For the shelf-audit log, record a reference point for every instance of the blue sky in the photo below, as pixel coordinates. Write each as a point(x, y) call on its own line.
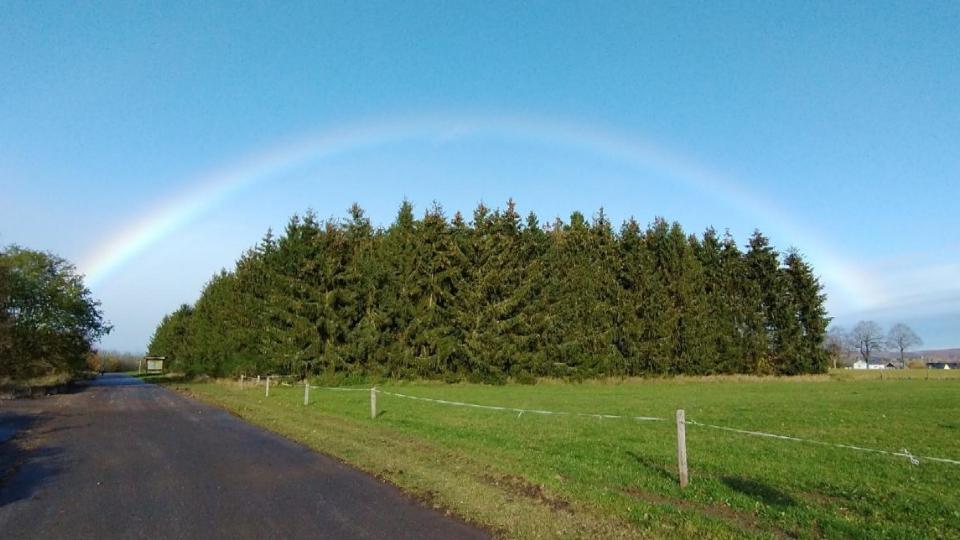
point(151, 144)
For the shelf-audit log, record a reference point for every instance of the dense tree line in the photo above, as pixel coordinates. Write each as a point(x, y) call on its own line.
point(501, 296)
point(48, 320)
point(113, 361)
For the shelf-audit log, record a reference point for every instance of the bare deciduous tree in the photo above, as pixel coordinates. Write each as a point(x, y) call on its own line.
point(867, 337)
point(836, 344)
point(902, 337)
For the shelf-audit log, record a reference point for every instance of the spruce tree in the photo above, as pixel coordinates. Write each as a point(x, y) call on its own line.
point(719, 322)
point(747, 347)
point(400, 293)
point(434, 286)
point(780, 330)
point(502, 291)
point(295, 305)
point(581, 296)
point(362, 283)
point(637, 306)
point(531, 317)
point(811, 315)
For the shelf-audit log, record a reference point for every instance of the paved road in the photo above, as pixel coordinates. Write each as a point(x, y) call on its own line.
point(124, 459)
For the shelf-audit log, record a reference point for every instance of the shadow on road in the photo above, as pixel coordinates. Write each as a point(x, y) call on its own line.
point(28, 460)
point(25, 465)
point(116, 379)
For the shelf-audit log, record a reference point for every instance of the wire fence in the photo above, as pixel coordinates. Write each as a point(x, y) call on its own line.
point(518, 410)
point(904, 453)
point(682, 422)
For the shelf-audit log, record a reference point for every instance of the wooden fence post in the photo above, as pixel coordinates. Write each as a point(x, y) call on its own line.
point(241, 381)
point(682, 448)
point(306, 392)
point(258, 380)
point(267, 392)
point(373, 402)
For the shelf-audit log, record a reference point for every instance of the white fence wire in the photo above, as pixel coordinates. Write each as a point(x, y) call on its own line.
point(904, 453)
point(516, 409)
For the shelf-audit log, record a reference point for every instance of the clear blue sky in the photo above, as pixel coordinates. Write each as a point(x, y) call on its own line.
point(152, 143)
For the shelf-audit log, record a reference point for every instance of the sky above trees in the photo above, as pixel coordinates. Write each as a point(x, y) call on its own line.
point(152, 144)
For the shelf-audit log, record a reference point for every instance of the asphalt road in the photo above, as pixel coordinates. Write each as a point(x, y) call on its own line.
point(124, 459)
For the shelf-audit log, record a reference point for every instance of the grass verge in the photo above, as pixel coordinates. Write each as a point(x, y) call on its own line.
point(40, 386)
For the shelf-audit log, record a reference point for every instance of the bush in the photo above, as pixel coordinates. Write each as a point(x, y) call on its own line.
point(524, 377)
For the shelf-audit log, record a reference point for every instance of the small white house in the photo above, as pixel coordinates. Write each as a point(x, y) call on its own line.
point(874, 364)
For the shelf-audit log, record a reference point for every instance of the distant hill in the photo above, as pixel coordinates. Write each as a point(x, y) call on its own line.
point(932, 355)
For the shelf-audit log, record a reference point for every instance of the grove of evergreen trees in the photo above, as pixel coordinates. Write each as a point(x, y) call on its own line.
point(501, 296)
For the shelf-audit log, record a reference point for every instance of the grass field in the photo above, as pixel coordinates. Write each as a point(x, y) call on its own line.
point(528, 476)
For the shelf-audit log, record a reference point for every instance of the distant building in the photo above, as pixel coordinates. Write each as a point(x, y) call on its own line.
point(943, 365)
point(875, 364)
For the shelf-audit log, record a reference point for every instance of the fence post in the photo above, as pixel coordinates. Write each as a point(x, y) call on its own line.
point(682, 447)
point(267, 392)
point(258, 380)
point(306, 392)
point(241, 381)
point(373, 402)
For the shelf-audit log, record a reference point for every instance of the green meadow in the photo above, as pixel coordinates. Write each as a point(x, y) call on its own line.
point(565, 476)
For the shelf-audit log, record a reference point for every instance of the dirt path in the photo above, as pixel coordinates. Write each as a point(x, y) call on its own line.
point(124, 459)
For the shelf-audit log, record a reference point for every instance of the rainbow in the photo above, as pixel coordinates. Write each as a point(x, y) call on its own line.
point(839, 274)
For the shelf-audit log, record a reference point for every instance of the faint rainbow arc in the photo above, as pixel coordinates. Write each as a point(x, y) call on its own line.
point(215, 186)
